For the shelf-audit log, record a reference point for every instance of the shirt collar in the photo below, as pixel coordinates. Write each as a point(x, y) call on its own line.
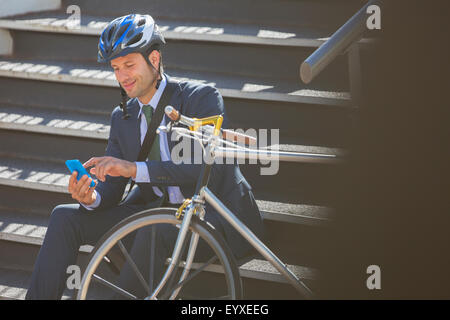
point(156, 97)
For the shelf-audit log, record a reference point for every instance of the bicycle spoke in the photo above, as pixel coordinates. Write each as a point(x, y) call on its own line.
point(219, 260)
point(114, 287)
point(173, 275)
point(133, 266)
point(193, 274)
point(152, 259)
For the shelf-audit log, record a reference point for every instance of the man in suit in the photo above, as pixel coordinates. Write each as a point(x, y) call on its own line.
point(131, 44)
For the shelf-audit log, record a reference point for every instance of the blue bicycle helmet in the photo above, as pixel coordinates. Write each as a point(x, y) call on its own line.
point(128, 34)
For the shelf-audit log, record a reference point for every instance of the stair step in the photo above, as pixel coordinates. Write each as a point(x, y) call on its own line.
point(211, 31)
point(290, 46)
point(18, 118)
point(318, 14)
point(263, 270)
point(54, 177)
point(295, 213)
point(30, 230)
point(301, 119)
point(244, 60)
point(25, 126)
point(229, 85)
point(14, 285)
point(23, 228)
point(26, 228)
point(310, 184)
point(53, 121)
point(33, 175)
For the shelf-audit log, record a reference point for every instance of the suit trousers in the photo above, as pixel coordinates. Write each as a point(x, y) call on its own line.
point(70, 227)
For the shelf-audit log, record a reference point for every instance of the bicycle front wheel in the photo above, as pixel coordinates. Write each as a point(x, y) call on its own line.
point(213, 274)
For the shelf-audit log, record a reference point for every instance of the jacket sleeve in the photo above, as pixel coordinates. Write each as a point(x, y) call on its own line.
point(203, 102)
point(112, 189)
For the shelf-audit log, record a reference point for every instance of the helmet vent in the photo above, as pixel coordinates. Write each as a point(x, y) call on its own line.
point(135, 39)
point(141, 22)
point(121, 31)
point(110, 33)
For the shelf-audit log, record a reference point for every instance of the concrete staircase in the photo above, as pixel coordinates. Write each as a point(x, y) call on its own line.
point(55, 103)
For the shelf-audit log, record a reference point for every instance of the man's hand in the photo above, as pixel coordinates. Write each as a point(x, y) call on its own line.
point(80, 190)
point(103, 166)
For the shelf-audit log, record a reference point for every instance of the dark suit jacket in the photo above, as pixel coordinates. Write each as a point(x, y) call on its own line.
point(226, 180)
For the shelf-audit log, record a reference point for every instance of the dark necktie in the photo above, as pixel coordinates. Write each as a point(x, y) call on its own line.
point(154, 153)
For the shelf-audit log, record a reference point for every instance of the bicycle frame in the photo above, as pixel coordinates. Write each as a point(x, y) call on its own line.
point(256, 242)
point(196, 206)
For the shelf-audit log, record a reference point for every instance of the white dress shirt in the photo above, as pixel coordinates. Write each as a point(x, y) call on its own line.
point(142, 175)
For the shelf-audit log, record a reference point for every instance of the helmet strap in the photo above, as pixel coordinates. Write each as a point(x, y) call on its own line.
point(158, 82)
point(123, 104)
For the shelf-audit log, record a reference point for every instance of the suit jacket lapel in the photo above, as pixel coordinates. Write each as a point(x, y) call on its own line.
point(134, 128)
point(171, 82)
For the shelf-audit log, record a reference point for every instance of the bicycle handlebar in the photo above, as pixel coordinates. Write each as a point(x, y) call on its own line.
point(229, 135)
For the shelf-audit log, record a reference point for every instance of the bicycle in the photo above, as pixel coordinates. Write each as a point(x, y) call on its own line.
point(188, 221)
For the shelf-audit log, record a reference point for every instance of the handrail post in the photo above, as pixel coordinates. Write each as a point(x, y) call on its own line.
point(354, 72)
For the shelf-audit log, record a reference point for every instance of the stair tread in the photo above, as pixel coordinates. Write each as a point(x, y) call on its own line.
point(307, 149)
point(14, 284)
point(36, 174)
point(48, 176)
point(305, 36)
point(28, 229)
point(229, 85)
point(13, 225)
point(295, 210)
point(36, 119)
point(50, 121)
point(266, 270)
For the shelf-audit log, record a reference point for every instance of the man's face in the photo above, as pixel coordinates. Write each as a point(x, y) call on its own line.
point(135, 76)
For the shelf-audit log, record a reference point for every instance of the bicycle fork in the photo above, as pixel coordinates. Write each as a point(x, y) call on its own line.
point(177, 252)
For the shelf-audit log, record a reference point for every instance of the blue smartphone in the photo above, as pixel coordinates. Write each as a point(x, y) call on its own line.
point(75, 165)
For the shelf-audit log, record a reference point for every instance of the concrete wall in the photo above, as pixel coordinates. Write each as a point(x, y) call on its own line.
point(13, 7)
point(6, 42)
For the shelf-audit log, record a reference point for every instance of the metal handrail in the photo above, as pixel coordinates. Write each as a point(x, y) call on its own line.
point(337, 44)
point(270, 155)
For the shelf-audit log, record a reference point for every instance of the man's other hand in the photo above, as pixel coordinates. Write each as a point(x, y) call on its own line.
point(103, 166)
point(80, 190)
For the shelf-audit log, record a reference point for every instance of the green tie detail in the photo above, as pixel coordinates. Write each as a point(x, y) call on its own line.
point(154, 153)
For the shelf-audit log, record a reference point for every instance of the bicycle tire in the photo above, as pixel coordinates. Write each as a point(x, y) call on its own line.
point(165, 216)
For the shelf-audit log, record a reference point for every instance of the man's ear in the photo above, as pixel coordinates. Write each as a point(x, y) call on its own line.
point(154, 57)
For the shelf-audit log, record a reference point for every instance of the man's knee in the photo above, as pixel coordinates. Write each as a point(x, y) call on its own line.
point(63, 215)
